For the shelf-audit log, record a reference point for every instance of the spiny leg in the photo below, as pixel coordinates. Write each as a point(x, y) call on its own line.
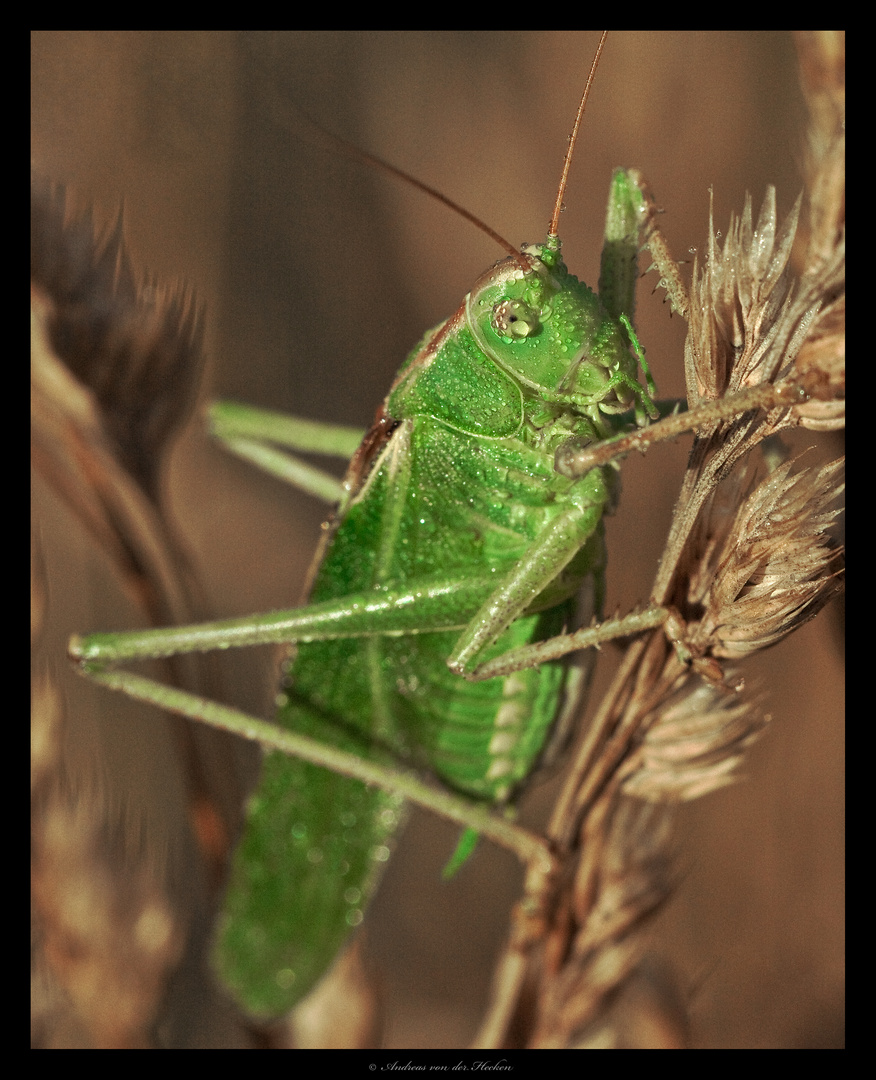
point(421, 606)
point(576, 459)
point(630, 224)
point(587, 638)
point(456, 808)
point(655, 242)
point(542, 563)
point(473, 603)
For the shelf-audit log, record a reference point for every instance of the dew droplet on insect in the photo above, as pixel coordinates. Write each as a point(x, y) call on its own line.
point(381, 853)
point(284, 978)
point(314, 855)
point(353, 896)
point(354, 917)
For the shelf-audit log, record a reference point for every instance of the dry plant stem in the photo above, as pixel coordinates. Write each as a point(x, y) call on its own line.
point(537, 925)
point(650, 672)
point(701, 479)
point(647, 674)
point(763, 353)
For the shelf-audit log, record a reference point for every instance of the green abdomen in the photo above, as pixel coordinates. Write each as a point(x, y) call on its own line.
point(444, 508)
point(314, 842)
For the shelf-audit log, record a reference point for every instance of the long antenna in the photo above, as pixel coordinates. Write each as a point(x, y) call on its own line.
point(355, 152)
point(393, 170)
point(558, 206)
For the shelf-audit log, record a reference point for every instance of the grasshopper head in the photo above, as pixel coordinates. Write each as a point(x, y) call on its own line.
point(550, 331)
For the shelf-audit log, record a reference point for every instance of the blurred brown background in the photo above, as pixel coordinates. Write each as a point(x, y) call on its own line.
point(318, 275)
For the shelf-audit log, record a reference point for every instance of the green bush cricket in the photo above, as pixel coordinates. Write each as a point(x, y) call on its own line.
point(532, 361)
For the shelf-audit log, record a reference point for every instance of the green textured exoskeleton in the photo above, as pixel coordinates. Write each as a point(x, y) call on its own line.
point(456, 541)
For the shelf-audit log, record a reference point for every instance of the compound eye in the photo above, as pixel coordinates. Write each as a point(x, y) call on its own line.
point(514, 319)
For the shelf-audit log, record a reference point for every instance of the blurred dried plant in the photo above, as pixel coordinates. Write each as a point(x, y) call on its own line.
point(115, 367)
point(749, 558)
